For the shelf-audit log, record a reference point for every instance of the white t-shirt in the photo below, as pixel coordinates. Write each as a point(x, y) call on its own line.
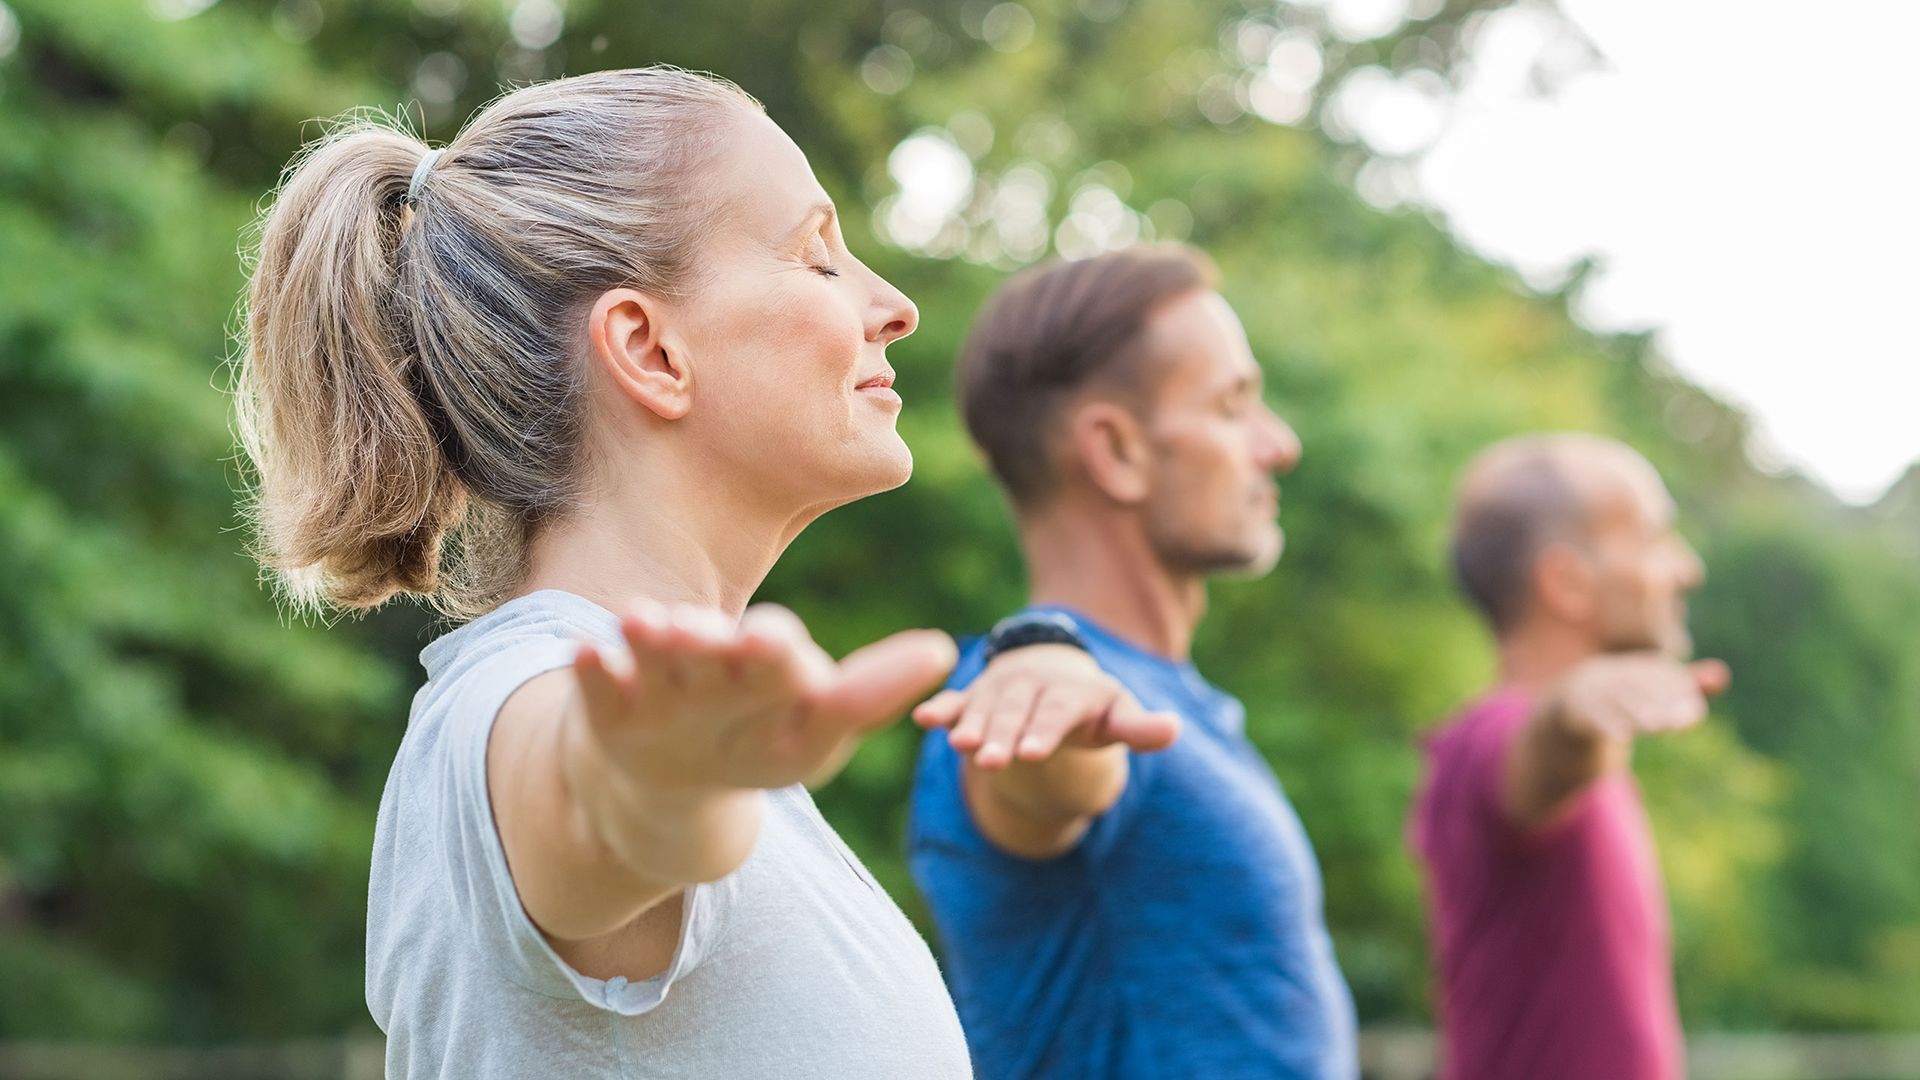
point(796, 965)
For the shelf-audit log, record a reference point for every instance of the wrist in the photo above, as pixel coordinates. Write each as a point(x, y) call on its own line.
point(664, 833)
point(1073, 781)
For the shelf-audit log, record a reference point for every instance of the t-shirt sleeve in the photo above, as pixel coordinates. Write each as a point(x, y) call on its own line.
point(1486, 744)
point(476, 862)
point(1109, 829)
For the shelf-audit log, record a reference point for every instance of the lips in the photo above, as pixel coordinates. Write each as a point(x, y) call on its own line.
point(879, 390)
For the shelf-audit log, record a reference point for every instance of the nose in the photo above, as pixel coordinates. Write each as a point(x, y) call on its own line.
point(1693, 571)
point(891, 316)
point(1279, 447)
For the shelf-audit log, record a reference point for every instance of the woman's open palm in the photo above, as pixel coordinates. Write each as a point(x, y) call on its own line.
point(701, 701)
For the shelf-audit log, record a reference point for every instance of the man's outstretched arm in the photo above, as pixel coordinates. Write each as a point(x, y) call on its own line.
point(1584, 727)
point(1043, 735)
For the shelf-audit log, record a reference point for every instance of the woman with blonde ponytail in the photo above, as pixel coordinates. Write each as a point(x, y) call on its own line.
point(577, 378)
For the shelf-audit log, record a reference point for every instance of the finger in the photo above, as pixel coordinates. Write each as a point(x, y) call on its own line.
point(970, 730)
point(1007, 717)
point(880, 682)
point(1711, 676)
point(709, 626)
point(940, 710)
point(1669, 703)
point(700, 642)
point(776, 646)
point(606, 694)
point(1652, 703)
point(1127, 722)
point(1060, 711)
point(646, 628)
point(1680, 711)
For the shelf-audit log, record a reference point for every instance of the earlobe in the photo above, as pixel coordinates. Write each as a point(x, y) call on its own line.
point(626, 340)
point(1111, 447)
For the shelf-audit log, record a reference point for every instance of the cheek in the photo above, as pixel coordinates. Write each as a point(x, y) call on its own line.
point(1207, 484)
point(815, 324)
point(795, 353)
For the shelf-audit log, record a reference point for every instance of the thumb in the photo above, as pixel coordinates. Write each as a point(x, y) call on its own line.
point(882, 681)
point(1139, 729)
point(1711, 676)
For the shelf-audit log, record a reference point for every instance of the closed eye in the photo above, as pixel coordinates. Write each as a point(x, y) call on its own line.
point(825, 271)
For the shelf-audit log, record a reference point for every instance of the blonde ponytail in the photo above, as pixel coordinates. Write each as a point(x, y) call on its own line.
point(355, 491)
point(409, 392)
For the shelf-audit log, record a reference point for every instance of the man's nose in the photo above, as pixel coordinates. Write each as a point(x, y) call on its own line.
point(1693, 571)
point(1279, 445)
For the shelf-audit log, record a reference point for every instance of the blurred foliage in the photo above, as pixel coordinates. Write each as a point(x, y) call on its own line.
point(187, 782)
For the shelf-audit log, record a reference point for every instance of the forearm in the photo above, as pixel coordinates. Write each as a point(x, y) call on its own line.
point(1041, 809)
point(1550, 763)
point(655, 832)
point(590, 849)
point(1073, 783)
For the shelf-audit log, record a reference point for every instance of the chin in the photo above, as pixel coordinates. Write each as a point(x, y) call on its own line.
point(1257, 564)
point(881, 467)
point(1263, 552)
point(1252, 558)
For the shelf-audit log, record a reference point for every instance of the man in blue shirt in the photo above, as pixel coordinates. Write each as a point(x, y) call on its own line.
point(1113, 900)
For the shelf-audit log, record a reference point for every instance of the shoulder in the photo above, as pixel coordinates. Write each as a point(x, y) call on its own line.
point(1484, 726)
point(1465, 757)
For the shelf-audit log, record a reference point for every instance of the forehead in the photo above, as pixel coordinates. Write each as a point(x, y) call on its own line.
point(761, 177)
point(1198, 344)
point(1627, 491)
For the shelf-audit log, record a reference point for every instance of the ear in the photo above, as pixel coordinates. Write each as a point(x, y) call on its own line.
point(626, 339)
point(1563, 583)
point(1110, 444)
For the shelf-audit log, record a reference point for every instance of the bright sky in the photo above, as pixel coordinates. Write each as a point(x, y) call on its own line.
point(1743, 172)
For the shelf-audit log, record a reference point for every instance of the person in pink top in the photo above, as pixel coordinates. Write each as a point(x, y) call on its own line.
point(1546, 905)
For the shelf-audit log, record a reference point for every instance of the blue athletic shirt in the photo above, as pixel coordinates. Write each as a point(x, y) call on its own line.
point(1181, 938)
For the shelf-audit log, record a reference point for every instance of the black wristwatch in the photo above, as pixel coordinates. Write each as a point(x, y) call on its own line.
point(1033, 628)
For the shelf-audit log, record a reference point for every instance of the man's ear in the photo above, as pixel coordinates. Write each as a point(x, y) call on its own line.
point(1563, 583)
point(626, 339)
point(1111, 445)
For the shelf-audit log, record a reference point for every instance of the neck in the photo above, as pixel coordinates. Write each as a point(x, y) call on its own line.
point(1536, 655)
point(666, 536)
point(1098, 561)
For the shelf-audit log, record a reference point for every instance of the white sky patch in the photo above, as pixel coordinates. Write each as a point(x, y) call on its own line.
point(935, 178)
point(1747, 186)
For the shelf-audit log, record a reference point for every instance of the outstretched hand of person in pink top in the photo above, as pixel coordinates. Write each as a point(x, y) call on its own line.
point(1624, 695)
point(1584, 726)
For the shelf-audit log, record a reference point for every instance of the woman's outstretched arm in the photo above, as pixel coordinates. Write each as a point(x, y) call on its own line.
point(638, 772)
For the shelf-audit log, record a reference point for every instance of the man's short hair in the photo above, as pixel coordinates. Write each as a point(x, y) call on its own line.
point(1050, 332)
point(1521, 497)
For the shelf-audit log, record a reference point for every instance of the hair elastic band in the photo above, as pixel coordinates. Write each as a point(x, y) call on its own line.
point(420, 173)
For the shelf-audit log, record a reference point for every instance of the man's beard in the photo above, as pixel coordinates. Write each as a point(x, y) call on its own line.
point(1182, 551)
point(1675, 642)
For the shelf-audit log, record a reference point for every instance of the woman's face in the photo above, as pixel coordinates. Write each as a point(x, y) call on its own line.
point(792, 400)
